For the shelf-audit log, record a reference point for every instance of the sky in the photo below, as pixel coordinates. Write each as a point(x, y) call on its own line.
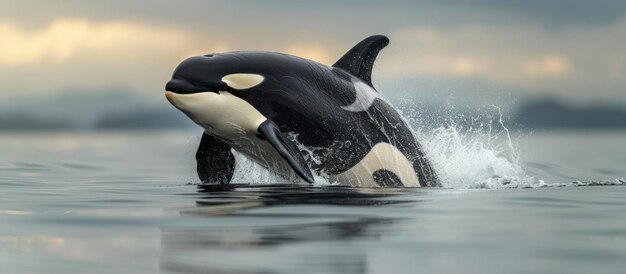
point(474, 52)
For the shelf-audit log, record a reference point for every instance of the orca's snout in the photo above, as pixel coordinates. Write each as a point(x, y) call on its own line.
point(184, 87)
point(178, 86)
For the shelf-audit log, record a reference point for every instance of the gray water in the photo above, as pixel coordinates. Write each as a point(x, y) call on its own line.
point(129, 203)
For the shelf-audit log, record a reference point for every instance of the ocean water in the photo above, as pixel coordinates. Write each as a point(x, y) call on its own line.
point(128, 202)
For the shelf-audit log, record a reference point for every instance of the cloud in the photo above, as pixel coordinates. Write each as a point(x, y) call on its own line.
point(92, 55)
point(64, 38)
point(317, 53)
point(571, 61)
point(547, 66)
point(499, 54)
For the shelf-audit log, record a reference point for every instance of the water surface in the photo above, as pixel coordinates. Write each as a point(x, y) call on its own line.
point(129, 203)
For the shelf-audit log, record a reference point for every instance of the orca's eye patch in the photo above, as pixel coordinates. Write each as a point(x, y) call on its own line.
point(241, 81)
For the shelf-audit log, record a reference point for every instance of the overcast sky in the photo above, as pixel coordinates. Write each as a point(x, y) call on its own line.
point(479, 50)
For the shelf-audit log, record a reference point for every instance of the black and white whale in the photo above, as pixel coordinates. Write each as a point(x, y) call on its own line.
point(269, 105)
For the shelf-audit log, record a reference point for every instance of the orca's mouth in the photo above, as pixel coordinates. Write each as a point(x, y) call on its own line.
point(184, 87)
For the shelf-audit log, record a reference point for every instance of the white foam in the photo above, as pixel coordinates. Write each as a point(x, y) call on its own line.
point(466, 159)
point(479, 156)
point(248, 171)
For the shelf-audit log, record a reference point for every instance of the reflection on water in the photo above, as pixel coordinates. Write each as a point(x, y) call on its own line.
point(228, 198)
point(254, 249)
point(30, 243)
point(262, 248)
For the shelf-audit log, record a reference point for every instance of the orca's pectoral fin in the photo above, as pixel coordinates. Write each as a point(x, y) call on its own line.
point(286, 148)
point(359, 60)
point(215, 161)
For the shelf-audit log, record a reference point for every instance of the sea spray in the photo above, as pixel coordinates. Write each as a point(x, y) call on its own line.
point(475, 153)
point(250, 172)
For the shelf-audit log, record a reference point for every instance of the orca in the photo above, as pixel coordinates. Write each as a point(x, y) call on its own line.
point(295, 116)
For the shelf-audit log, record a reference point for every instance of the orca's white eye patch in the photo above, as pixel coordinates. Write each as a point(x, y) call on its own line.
point(242, 80)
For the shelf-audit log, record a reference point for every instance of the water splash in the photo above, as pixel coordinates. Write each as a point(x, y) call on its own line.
point(475, 153)
point(475, 150)
point(250, 172)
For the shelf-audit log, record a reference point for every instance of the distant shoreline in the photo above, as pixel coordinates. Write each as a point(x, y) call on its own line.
point(122, 111)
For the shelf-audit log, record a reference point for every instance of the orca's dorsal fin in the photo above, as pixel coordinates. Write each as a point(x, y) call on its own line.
point(360, 59)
